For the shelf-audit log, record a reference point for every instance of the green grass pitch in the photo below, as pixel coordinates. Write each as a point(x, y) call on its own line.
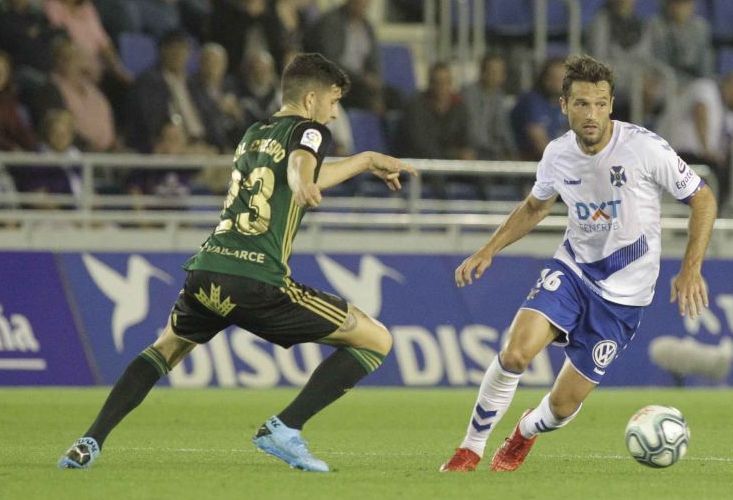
point(381, 443)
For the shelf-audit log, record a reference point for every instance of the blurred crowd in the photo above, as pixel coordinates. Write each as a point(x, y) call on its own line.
point(66, 88)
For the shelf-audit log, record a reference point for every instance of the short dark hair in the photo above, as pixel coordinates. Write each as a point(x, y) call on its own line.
point(312, 69)
point(585, 69)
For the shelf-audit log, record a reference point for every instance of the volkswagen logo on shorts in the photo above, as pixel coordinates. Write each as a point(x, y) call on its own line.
point(604, 352)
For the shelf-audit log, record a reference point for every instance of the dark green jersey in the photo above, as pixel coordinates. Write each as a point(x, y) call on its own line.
point(254, 237)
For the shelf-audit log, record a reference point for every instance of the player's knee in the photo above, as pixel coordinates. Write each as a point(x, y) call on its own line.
point(514, 360)
point(380, 340)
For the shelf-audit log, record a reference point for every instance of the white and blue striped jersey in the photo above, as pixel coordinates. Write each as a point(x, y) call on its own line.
point(613, 238)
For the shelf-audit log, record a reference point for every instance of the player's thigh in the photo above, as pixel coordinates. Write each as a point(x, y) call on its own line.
point(172, 347)
point(361, 330)
point(569, 390)
point(529, 333)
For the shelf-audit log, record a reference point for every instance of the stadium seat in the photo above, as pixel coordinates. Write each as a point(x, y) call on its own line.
point(509, 17)
point(589, 9)
point(722, 21)
point(372, 188)
point(462, 190)
point(725, 60)
point(398, 67)
point(138, 52)
point(557, 49)
point(368, 132)
point(647, 8)
point(502, 192)
point(557, 17)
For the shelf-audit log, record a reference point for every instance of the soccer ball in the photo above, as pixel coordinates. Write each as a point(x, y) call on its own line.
point(657, 436)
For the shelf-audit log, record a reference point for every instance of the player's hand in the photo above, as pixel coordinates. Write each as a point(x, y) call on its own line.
point(690, 291)
point(308, 195)
point(388, 169)
point(473, 268)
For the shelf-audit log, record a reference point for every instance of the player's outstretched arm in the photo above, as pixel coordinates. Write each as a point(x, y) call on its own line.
point(688, 287)
point(521, 221)
point(383, 166)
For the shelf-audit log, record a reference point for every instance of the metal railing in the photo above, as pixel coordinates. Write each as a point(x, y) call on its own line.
point(353, 223)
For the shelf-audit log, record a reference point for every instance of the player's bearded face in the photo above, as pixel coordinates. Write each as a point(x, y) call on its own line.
point(589, 108)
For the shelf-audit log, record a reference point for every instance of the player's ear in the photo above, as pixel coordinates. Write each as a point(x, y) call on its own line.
point(563, 105)
point(309, 101)
point(610, 108)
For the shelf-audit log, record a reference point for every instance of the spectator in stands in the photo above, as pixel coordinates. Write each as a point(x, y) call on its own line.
point(81, 20)
point(435, 123)
point(346, 36)
point(342, 137)
point(170, 185)
point(260, 90)
point(615, 36)
point(615, 32)
point(15, 131)
point(157, 17)
point(699, 125)
point(153, 17)
point(537, 118)
point(26, 35)
point(241, 26)
point(57, 137)
point(681, 39)
point(71, 88)
point(489, 127)
point(162, 94)
point(215, 95)
point(294, 16)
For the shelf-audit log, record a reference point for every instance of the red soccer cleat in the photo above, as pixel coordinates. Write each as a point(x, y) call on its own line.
point(464, 460)
point(513, 451)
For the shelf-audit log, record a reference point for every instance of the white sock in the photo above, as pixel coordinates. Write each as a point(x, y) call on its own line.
point(541, 419)
point(494, 396)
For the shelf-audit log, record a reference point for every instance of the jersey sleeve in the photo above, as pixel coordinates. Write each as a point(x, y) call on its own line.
point(544, 184)
point(312, 137)
point(673, 174)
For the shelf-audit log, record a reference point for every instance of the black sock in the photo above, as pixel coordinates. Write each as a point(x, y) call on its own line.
point(334, 376)
point(129, 391)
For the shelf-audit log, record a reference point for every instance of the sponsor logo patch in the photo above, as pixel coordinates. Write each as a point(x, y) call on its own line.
point(312, 138)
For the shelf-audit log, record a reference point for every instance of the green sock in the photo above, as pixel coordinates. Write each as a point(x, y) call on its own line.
point(334, 376)
point(129, 391)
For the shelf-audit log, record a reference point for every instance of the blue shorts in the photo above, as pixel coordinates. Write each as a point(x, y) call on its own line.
point(595, 330)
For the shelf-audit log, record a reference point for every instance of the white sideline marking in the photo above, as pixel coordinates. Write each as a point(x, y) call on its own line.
point(36, 364)
point(375, 454)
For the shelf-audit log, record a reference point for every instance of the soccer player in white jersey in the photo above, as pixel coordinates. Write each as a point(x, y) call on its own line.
point(590, 297)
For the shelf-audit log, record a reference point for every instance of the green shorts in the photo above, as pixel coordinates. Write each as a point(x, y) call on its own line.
point(289, 315)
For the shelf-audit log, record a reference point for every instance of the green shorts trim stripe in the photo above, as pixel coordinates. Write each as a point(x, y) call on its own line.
point(315, 304)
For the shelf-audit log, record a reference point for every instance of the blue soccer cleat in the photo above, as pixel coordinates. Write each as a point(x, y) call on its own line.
point(82, 453)
point(280, 441)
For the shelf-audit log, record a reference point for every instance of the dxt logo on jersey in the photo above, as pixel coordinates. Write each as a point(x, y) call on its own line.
point(618, 176)
point(603, 211)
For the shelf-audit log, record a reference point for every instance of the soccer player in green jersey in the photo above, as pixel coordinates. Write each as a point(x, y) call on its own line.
point(240, 276)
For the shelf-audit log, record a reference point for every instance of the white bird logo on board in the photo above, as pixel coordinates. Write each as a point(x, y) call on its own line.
point(128, 292)
point(364, 288)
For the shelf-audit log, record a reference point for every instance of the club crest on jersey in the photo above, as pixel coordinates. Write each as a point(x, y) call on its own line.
point(618, 176)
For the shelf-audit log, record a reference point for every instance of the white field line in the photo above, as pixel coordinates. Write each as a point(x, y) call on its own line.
point(408, 454)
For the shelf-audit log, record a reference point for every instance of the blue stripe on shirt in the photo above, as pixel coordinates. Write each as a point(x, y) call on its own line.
point(602, 269)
